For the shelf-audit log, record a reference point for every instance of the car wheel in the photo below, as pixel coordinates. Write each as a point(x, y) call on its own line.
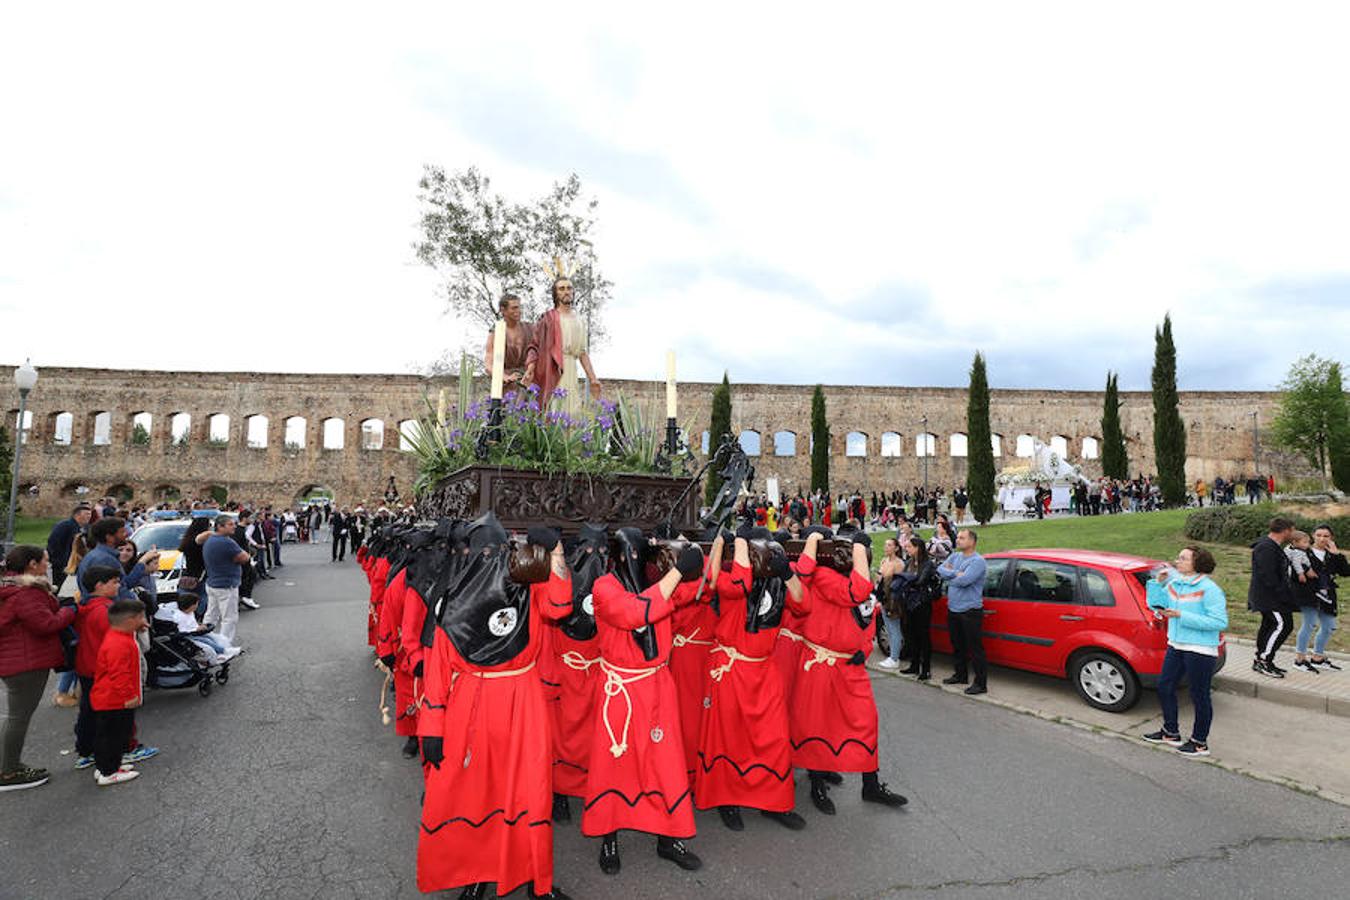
point(1104, 680)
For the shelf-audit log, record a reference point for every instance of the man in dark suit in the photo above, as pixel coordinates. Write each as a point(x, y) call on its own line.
point(62, 539)
point(339, 525)
point(1270, 595)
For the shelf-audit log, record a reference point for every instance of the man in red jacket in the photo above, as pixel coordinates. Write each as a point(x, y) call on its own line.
point(117, 691)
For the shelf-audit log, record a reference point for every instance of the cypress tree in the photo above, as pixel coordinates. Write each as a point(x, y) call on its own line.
point(979, 445)
point(1115, 461)
point(718, 430)
point(820, 443)
point(1169, 431)
point(1338, 433)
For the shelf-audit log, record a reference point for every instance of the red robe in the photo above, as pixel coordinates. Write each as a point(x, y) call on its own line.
point(638, 778)
point(487, 808)
point(574, 712)
point(833, 715)
point(745, 753)
point(545, 352)
point(690, 645)
point(388, 640)
point(379, 573)
point(411, 651)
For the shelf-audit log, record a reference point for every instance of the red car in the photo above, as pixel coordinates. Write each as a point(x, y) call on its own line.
point(1076, 614)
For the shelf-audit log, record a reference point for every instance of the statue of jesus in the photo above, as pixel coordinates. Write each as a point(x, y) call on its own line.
point(557, 345)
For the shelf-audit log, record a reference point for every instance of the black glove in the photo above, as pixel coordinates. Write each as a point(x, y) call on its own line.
point(388, 661)
point(543, 536)
point(817, 529)
point(690, 561)
point(417, 670)
point(862, 537)
point(727, 536)
point(778, 566)
point(857, 659)
point(433, 751)
point(746, 531)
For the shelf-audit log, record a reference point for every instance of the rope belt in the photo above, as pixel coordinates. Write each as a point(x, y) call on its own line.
point(504, 673)
point(574, 660)
point(733, 656)
point(822, 655)
point(681, 639)
point(790, 635)
point(617, 680)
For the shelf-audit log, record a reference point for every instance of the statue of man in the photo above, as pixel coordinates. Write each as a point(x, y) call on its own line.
point(558, 345)
point(518, 334)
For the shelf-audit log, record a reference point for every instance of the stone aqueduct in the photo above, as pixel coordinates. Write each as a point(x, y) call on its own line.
point(272, 437)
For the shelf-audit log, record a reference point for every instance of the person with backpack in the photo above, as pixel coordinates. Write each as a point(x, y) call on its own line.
point(918, 586)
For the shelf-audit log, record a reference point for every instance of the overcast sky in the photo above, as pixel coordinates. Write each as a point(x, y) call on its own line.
point(829, 193)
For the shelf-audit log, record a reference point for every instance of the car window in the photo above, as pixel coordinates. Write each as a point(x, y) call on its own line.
point(165, 536)
point(993, 578)
point(1039, 581)
point(1096, 589)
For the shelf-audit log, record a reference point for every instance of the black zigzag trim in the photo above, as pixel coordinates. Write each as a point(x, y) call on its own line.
point(550, 683)
point(634, 802)
point(570, 765)
point(429, 705)
point(835, 750)
point(483, 821)
point(707, 767)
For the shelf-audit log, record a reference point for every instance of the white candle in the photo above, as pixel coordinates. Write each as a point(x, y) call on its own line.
point(498, 358)
point(440, 408)
point(670, 384)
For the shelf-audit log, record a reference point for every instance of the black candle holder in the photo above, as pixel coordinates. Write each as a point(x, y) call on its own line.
point(672, 437)
point(492, 431)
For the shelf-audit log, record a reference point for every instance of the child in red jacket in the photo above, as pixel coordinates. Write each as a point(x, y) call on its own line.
point(91, 625)
point(117, 691)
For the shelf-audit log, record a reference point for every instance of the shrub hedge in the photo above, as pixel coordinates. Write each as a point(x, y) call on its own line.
point(1242, 525)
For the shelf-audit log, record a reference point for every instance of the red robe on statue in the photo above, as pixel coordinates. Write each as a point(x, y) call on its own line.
point(745, 755)
point(833, 715)
point(545, 352)
point(638, 778)
point(486, 812)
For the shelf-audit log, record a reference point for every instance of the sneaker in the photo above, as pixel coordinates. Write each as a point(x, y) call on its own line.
point(115, 778)
point(1162, 737)
point(142, 752)
point(975, 689)
point(24, 778)
point(1326, 661)
point(889, 663)
point(84, 762)
point(248, 603)
point(955, 679)
point(1193, 749)
point(65, 700)
point(1279, 673)
point(1307, 666)
point(1266, 669)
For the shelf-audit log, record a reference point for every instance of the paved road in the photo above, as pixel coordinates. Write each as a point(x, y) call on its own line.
point(284, 785)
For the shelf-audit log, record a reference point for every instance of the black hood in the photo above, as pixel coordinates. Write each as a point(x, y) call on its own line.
point(630, 561)
point(588, 558)
point(482, 611)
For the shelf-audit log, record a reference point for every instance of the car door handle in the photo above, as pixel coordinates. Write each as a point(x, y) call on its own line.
point(1068, 618)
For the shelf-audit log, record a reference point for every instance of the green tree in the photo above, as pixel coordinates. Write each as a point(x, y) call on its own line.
point(1115, 460)
point(1169, 431)
point(6, 468)
point(485, 245)
point(139, 436)
point(820, 443)
point(1313, 419)
point(719, 429)
point(979, 444)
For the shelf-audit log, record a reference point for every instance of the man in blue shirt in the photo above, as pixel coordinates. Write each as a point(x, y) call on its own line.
point(964, 573)
point(224, 559)
point(105, 536)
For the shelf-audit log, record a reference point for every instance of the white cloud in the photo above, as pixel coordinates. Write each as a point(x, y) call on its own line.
point(1051, 178)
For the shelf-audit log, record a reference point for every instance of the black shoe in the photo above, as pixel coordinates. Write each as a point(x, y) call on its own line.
point(1258, 666)
point(1266, 669)
point(562, 811)
point(678, 853)
point(924, 675)
point(955, 679)
point(731, 817)
point(883, 795)
point(832, 778)
point(1307, 666)
point(410, 747)
point(474, 891)
point(977, 689)
point(789, 820)
point(910, 670)
point(820, 796)
point(555, 894)
point(1162, 737)
point(1278, 672)
point(609, 855)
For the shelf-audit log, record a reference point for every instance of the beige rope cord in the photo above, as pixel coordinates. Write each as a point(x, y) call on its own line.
point(822, 655)
point(790, 635)
point(574, 660)
point(504, 673)
point(733, 656)
point(683, 639)
point(617, 680)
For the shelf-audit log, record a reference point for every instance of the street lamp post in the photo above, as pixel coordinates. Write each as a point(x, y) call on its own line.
point(25, 377)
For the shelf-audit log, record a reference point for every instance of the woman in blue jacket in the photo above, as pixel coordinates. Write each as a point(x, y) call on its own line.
point(1197, 614)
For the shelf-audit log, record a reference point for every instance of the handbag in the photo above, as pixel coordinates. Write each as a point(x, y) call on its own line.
point(188, 583)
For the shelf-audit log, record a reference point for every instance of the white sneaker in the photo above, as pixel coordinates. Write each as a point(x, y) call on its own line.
point(248, 603)
point(117, 777)
point(889, 663)
point(230, 653)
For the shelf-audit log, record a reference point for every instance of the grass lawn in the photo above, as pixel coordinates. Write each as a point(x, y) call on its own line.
point(32, 530)
point(1157, 535)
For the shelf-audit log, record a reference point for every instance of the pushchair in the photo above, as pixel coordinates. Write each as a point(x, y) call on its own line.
point(175, 662)
point(290, 532)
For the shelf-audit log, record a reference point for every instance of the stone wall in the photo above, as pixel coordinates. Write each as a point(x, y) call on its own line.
point(95, 443)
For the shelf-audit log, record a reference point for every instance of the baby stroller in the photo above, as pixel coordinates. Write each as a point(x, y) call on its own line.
point(175, 662)
point(290, 532)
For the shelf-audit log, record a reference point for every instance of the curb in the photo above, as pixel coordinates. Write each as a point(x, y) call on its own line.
point(1291, 784)
point(1273, 692)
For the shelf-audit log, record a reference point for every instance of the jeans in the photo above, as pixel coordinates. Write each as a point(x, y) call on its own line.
point(222, 611)
point(965, 629)
point(1325, 623)
point(895, 635)
point(66, 681)
point(276, 551)
point(920, 637)
point(23, 692)
point(1198, 669)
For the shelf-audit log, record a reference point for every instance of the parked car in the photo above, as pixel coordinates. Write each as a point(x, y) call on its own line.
point(166, 536)
point(1076, 614)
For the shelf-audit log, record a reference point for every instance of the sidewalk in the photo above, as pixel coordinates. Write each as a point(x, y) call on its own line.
point(1326, 692)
